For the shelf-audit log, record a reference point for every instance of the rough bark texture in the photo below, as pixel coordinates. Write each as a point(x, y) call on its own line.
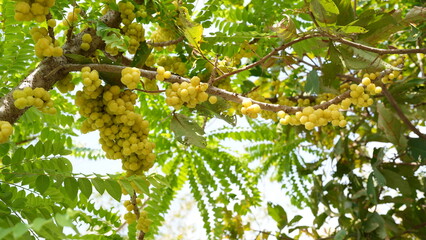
point(46, 74)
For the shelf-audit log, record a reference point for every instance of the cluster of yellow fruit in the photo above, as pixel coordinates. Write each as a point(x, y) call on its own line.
point(30, 9)
point(250, 109)
point(5, 131)
point(126, 12)
point(311, 117)
point(162, 74)
point(150, 84)
point(65, 85)
point(163, 35)
point(123, 133)
point(91, 82)
point(130, 77)
point(135, 32)
point(72, 17)
point(130, 217)
point(395, 74)
point(173, 64)
point(38, 97)
point(247, 50)
point(186, 93)
point(112, 50)
point(142, 12)
point(86, 40)
point(143, 222)
point(44, 46)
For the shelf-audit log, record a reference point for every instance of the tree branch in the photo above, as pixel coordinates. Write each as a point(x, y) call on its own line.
point(46, 74)
point(230, 96)
point(263, 59)
point(401, 115)
point(377, 50)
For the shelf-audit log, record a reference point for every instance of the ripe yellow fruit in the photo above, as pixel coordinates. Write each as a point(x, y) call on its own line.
point(87, 38)
point(247, 102)
point(85, 46)
point(51, 23)
point(5, 131)
point(367, 81)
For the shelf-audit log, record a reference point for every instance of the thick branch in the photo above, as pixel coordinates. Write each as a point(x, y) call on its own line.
point(46, 74)
point(230, 96)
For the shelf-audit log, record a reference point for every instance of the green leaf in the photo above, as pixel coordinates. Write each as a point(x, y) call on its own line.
point(371, 189)
point(126, 186)
point(417, 148)
point(346, 12)
point(64, 220)
point(312, 82)
point(99, 185)
point(4, 232)
point(295, 219)
point(376, 223)
point(320, 219)
point(353, 29)
point(141, 55)
point(278, 214)
point(187, 131)
point(142, 184)
point(42, 183)
point(19, 230)
point(113, 188)
point(18, 156)
point(6, 160)
point(71, 187)
point(85, 186)
point(38, 223)
point(395, 181)
point(4, 149)
point(381, 181)
point(247, 86)
point(340, 235)
point(216, 110)
point(19, 203)
point(324, 11)
point(391, 126)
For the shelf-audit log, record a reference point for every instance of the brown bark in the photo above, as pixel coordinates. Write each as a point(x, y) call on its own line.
point(45, 76)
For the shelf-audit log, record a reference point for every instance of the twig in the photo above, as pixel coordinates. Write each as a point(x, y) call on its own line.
point(273, 52)
point(377, 50)
point(167, 43)
point(26, 140)
point(401, 115)
point(213, 75)
point(141, 235)
point(49, 28)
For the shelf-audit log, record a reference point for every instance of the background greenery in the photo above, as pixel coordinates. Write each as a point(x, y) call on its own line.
point(336, 173)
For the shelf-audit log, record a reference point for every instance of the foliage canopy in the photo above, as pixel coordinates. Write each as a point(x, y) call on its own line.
point(321, 83)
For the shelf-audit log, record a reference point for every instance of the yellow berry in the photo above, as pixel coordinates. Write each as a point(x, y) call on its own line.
point(366, 81)
point(212, 99)
point(51, 23)
point(87, 38)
